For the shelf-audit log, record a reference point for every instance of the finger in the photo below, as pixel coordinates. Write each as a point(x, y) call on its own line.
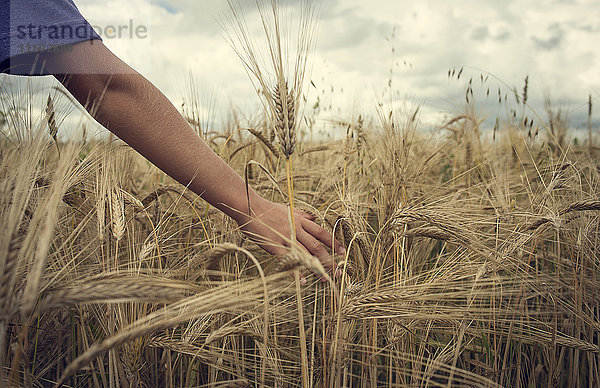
point(277, 251)
point(305, 215)
point(315, 247)
point(307, 252)
point(323, 236)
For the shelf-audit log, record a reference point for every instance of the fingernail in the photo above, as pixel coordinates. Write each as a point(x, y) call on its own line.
point(342, 250)
point(303, 281)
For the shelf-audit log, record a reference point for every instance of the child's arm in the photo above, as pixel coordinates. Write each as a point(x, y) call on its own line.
point(137, 112)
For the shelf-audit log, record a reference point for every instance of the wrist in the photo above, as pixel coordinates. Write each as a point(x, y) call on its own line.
point(251, 205)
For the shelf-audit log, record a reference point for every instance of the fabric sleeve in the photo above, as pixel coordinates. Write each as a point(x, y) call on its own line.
point(30, 27)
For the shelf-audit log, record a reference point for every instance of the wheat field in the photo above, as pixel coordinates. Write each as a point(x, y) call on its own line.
point(470, 262)
point(472, 255)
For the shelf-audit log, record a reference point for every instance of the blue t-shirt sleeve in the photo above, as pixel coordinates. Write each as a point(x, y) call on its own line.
point(29, 27)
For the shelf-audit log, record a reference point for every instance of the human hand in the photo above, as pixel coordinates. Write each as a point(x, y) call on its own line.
point(270, 229)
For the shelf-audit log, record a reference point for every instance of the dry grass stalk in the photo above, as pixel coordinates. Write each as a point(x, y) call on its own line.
point(281, 86)
point(214, 256)
point(240, 149)
point(180, 347)
point(583, 205)
point(146, 250)
point(443, 225)
point(172, 315)
point(314, 149)
point(117, 213)
point(589, 125)
point(297, 258)
point(46, 222)
point(285, 118)
point(264, 140)
point(117, 290)
point(353, 288)
point(7, 274)
point(431, 232)
point(355, 307)
point(155, 194)
point(51, 119)
point(131, 200)
point(226, 331)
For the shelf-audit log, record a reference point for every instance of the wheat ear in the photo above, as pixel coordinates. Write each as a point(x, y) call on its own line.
point(268, 143)
point(285, 120)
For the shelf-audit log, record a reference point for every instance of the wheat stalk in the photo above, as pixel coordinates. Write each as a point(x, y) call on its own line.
point(431, 232)
point(314, 149)
point(281, 101)
point(583, 205)
point(117, 290)
point(225, 331)
point(172, 315)
point(10, 265)
point(297, 258)
point(117, 213)
point(214, 256)
point(285, 118)
point(589, 124)
point(268, 143)
point(51, 120)
point(280, 86)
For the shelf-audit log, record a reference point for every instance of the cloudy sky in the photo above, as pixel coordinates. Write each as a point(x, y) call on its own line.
point(359, 43)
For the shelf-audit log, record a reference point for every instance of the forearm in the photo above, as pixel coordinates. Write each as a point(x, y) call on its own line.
point(134, 110)
point(138, 113)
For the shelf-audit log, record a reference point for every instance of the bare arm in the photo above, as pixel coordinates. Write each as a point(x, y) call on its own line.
point(138, 113)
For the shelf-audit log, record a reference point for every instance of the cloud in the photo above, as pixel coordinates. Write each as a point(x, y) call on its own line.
point(552, 40)
point(492, 31)
point(361, 46)
point(480, 33)
point(168, 7)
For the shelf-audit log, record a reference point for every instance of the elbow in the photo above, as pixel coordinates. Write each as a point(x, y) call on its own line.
point(103, 84)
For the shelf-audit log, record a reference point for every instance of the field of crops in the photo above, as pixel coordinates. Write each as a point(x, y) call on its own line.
point(470, 261)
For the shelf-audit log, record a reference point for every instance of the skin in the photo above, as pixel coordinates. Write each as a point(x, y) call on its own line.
point(133, 109)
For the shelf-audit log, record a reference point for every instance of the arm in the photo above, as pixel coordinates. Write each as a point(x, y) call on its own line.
point(138, 113)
